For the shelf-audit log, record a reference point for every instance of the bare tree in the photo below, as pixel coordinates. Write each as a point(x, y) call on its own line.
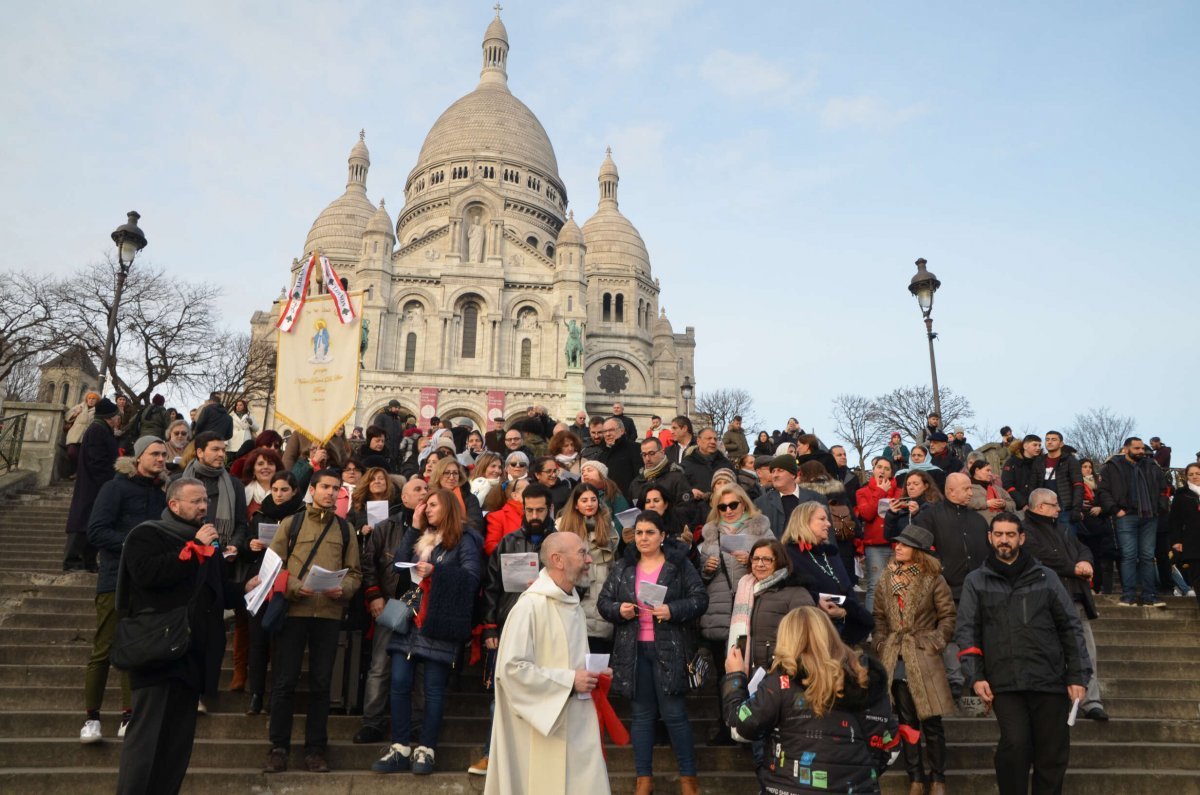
point(719, 406)
point(1098, 433)
point(854, 423)
point(906, 409)
point(245, 370)
point(21, 383)
point(166, 329)
point(27, 328)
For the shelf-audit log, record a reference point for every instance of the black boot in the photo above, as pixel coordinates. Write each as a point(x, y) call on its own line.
point(256, 704)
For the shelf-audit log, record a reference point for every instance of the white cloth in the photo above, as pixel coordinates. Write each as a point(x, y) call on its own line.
point(544, 740)
point(245, 428)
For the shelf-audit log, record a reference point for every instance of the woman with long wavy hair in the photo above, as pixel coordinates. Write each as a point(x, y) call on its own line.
point(586, 515)
point(825, 708)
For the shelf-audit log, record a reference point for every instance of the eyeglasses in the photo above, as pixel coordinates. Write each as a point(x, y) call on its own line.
point(649, 454)
point(728, 506)
point(763, 561)
point(549, 471)
point(515, 465)
point(451, 473)
point(512, 438)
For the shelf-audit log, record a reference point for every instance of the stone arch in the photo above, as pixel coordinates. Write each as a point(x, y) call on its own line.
point(523, 300)
point(414, 293)
point(456, 409)
point(49, 390)
point(380, 404)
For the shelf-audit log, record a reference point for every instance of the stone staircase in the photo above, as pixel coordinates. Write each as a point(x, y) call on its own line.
point(1150, 661)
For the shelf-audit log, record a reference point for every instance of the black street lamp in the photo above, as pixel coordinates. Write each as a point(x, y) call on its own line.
point(923, 285)
point(129, 240)
point(686, 390)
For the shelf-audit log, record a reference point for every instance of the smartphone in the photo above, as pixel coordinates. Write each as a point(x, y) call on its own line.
point(741, 644)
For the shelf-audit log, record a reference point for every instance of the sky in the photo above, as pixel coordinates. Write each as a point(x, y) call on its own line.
point(785, 163)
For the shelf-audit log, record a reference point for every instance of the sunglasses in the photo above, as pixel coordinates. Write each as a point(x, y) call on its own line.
point(728, 506)
point(515, 465)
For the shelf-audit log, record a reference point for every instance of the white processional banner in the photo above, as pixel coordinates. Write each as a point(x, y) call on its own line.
point(316, 379)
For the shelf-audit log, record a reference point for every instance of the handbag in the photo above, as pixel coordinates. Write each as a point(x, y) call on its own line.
point(398, 614)
point(149, 638)
point(699, 669)
point(276, 613)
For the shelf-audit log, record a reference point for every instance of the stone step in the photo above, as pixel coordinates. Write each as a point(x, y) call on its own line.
point(1172, 623)
point(39, 566)
point(458, 756)
point(1126, 639)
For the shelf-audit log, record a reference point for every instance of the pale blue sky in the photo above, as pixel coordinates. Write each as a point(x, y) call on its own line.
point(785, 162)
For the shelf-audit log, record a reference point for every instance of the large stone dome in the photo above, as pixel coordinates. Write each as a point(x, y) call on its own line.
point(612, 241)
point(338, 230)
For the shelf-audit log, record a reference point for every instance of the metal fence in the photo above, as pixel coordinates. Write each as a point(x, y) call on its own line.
point(12, 432)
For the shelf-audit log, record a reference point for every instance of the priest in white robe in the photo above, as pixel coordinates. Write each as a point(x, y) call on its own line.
point(545, 739)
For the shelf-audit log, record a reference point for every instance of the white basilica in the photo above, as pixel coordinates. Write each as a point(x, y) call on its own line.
point(477, 286)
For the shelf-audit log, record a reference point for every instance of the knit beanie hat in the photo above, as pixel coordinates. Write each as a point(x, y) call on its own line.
point(785, 462)
point(599, 466)
point(723, 472)
point(142, 443)
point(105, 409)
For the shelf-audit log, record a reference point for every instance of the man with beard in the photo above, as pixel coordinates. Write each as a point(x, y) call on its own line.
point(1133, 491)
point(658, 471)
point(381, 582)
point(1023, 655)
point(1063, 475)
point(497, 602)
point(226, 497)
point(166, 564)
point(844, 474)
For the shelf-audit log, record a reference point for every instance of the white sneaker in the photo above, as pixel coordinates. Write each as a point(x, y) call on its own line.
point(121, 731)
point(90, 733)
point(200, 708)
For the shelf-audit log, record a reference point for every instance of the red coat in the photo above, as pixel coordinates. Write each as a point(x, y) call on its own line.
point(867, 507)
point(501, 522)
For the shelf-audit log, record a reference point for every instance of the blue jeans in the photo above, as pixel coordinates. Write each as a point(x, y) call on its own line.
point(649, 701)
point(876, 559)
point(437, 674)
point(1136, 536)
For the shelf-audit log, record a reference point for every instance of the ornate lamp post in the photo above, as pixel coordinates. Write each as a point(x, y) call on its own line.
point(129, 240)
point(923, 285)
point(686, 390)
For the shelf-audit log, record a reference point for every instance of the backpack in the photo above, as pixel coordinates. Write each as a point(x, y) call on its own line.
point(842, 522)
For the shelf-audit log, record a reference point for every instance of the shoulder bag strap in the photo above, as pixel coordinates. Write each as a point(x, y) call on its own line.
point(312, 552)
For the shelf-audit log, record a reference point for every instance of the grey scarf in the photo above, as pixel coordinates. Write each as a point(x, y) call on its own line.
point(223, 519)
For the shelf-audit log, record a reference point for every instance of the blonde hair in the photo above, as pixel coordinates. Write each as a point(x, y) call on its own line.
point(798, 530)
point(439, 469)
point(807, 645)
point(751, 510)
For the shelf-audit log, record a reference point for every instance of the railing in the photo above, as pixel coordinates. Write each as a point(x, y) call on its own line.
point(12, 432)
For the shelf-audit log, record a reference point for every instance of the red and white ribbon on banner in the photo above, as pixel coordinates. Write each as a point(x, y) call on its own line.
point(291, 312)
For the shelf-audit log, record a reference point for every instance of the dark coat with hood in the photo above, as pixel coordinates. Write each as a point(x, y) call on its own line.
point(1018, 629)
point(811, 564)
point(1060, 551)
point(687, 600)
point(155, 579)
point(98, 450)
point(1185, 525)
point(444, 621)
point(844, 750)
point(959, 539)
point(122, 504)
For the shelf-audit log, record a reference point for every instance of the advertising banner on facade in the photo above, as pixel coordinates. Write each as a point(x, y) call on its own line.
point(428, 408)
point(495, 406)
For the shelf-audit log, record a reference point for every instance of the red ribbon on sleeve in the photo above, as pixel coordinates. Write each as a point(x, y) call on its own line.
point(610, 724)
point(194, 549)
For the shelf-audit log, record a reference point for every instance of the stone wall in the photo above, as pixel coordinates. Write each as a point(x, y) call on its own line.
point(40, 448)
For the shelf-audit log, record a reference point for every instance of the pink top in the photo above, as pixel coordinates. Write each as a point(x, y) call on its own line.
point(645, 619)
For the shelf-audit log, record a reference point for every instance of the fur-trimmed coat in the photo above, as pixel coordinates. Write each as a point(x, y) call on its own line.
point(919, 636)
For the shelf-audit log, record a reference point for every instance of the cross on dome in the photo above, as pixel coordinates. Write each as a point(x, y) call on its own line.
point(498, 8)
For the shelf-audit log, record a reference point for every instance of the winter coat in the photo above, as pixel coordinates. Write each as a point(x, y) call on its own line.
point(833, 492)
point(685, 597)
point(502, 521)
point(497, 602)
point(898, 462)
point(1068, 480)
point(1185, 525)
point(844, 750)
point(735, 444)
point(867, 501)
point(1022, 635)
point(330, 555)
point(624, 461)
point(767, 610)
point(980, 494)
point(959, 540)
point(699, 468)
point(946, 461)
point(444, 621)
point(603, 558)
point(894, 522)
point(79, 418)
point(393, 433)
point(918, 635)
point(245, 428)
point(1060, 552)
point(721, 584)
point(214, 417)
point(811, 564)
point(122, 504)
point(771, 505)
point(765, 448)
point(156, 579)
point(153, 422)
point(672, 480)
point(821, 457)
point(97, 455)
point(381, 579)
point(1114, 486)
point(267, 513)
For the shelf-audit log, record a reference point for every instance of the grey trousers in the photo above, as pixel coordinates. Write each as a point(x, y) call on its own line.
point(379, 681)
point(1092, 699)
point(954, 674)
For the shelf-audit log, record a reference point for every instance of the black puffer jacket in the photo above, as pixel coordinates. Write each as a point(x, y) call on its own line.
point(685, 596)
point(1020, 634)
point(844, 750)
point(1115, 478)
point(959, 539)
point(122, 504)
point(1022, 475)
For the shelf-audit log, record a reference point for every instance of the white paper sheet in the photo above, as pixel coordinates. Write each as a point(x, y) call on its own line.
point(266, 532)
point(594, 663)
point(736, 542)
point(377, 511)
point(404, 564)
point(1074, 713)
point(651, 594)
point(272, 564)
point(320, 579)
point(837, 599)
point(628, 518)
point(518, 570)
point(756, 680)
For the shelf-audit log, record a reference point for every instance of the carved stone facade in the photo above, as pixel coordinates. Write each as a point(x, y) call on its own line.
point(473, 287)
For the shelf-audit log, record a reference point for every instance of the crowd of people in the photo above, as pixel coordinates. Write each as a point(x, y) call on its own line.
point(885, 600)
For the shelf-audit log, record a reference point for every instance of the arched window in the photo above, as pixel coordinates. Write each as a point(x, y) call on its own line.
point(48, 392)
point(606, 314)
point(549, 251)
point(66, 392)
point(410, 352)
point(526, 357)
point(532, 241)
point(470, 326)
point(620, 308)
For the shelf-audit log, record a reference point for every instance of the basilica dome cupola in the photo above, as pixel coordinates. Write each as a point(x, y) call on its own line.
point(338, 230)
point(613, 243)
point(495, 52)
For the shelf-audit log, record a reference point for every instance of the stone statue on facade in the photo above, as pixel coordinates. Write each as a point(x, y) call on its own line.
point(475, 241)
point(366, 336)
point(574, 348)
